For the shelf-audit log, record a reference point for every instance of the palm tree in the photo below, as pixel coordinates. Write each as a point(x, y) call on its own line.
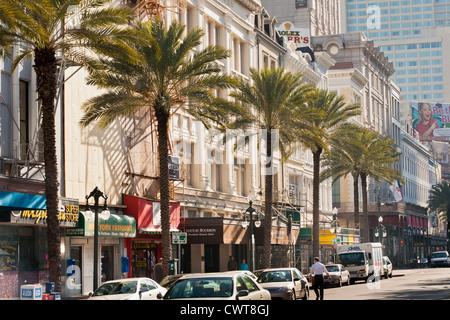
point(276, 101)
point(343, 159)
point(372, 156)
point(43, 29)
point(440, 201)
point(167, 75)
point(336, 114)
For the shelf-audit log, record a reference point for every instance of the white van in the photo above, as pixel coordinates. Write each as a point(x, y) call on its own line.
point(362, 260)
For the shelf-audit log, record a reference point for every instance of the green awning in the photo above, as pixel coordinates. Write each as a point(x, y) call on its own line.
point(117, 226)
point(305, 234)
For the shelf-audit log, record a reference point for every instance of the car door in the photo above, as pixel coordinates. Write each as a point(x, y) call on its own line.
point(254, 293)
point(299, 285)
point(154, 289)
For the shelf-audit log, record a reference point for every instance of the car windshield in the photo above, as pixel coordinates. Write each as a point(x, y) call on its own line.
point(332, 268)
point(120, 287)
point(275, 276)
point(438, 255)
point(201, 288)
point(168, 281)
point(352, 259)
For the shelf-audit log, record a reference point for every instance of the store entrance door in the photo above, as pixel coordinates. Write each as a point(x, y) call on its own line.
point(212, 258)
point(144, 260)
point(107, 254)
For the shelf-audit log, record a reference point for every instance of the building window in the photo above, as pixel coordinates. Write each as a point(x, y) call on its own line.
point(24, 110)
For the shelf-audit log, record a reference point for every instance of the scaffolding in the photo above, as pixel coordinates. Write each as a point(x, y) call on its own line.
point(156, 8)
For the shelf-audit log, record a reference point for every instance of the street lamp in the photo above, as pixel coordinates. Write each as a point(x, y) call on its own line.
point(245, 224)
point(96, 194)
point(381, 230)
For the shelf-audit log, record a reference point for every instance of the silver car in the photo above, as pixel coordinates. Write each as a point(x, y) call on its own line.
point(284, 283)
point(217, 286)
point(337, 275)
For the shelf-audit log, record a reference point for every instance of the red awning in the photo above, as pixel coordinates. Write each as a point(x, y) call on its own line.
point(148, 214)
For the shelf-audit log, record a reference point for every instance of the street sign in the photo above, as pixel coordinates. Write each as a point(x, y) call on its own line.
point(179, 238)
point(336, 241)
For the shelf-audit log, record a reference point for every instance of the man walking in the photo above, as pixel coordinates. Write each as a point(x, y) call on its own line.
point(316, 272)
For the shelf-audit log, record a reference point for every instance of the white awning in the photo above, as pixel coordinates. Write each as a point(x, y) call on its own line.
point(155, 230)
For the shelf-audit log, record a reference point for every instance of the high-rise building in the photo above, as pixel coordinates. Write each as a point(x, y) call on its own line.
point(414, 35)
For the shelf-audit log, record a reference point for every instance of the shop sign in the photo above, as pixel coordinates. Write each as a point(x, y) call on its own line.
point(205, 234)
point(301, 4)
point(68, 214)
point(301, 37)
point(117, 226)
point(174, 167)
point(179, 238)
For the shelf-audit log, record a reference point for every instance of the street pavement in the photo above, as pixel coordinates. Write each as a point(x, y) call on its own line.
point(406, 284)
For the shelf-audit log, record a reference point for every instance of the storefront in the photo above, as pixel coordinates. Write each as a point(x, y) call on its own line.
point(79, 257)
point(145, 249)
point(23, 238)
point(210, 243)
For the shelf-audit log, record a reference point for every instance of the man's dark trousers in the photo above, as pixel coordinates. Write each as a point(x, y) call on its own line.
point(318, 285)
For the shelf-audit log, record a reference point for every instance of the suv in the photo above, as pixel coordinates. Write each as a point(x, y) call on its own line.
point(387, 267)
point(440, 259)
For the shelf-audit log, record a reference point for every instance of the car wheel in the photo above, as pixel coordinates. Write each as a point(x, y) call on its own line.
point(348, 280)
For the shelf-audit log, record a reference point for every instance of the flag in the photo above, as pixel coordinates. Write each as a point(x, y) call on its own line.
point(396, 191)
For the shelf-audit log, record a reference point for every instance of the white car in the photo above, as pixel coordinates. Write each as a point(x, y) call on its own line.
point(440, 259)
point(217, 286)
point(387, 267)
point(337, 275)
point(129, 289)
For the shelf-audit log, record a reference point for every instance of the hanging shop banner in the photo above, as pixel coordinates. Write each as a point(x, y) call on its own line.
point(116, 226)
point(68, 214)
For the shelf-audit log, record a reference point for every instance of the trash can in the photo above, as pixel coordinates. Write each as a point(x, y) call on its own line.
point(173, 266)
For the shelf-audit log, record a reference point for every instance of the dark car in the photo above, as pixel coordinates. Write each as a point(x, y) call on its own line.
point(284, 283)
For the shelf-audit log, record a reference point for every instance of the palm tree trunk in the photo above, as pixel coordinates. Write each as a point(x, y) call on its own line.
point(268, 185)
point(316, 199)
point(163, 118)
point(365, 212)
point(356, 201)
point(46, 67)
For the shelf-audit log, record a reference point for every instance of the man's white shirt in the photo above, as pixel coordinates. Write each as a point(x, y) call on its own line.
point(318, 269)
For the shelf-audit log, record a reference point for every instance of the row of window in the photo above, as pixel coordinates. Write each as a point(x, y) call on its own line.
point(413, 63)
point(424, 96)
point(412, 46)
point(404, 72)
point(394, 3)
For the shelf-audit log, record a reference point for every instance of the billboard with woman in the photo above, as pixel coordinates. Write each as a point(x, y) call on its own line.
point(431, 119)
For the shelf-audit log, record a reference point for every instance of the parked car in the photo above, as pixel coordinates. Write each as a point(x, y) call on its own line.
point(129, 289)
point(440, 259)
point(337, 275)
point(168, 281)
point(232, 285)
point(387, 267)
point(284, 283)
point(247, 272)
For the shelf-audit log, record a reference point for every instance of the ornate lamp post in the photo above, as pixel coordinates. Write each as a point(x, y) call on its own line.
point(96, 194)
point(245, 224)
